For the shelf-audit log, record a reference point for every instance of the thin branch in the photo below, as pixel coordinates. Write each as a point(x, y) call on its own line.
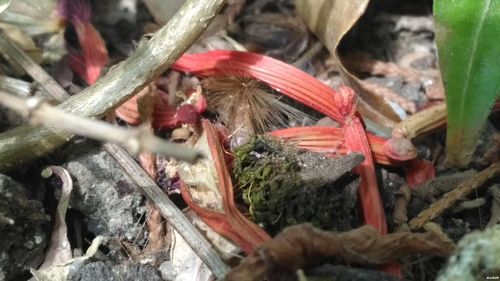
point(9, 49)
point(15, 86)
point(167, 208)
point(421, 122)
point(134, 140)
point(152, 58)
point(450, 198)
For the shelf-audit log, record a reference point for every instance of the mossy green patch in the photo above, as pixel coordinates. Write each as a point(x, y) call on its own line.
point(268, 174)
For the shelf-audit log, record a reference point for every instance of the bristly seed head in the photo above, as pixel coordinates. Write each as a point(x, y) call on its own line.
point(246, 107)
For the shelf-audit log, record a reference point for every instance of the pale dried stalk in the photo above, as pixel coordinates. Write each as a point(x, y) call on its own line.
point(134, 140)
point(9, 49)
point(450, 198)
point(421, 122)
point(174, 216)
point(121, 82)
point(15, 86)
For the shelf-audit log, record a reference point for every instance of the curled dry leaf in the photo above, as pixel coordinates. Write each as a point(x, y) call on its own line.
point(298, 245)
point(59, 251)
point(62, 272)
point(330, 20)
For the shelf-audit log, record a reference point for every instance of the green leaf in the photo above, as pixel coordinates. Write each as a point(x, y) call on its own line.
point(467, 33)
point(4, 4)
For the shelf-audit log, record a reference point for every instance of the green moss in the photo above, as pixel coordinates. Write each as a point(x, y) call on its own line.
point(268, 174)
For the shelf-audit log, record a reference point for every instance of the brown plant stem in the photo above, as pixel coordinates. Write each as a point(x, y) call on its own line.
point(167, 208)
point(450, 198)
point(121, 82)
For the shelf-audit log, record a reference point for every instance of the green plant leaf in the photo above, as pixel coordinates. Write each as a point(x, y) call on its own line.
point(467, 33)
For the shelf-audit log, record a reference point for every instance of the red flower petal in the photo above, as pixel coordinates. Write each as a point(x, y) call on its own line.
point(282, 77)
point(418, 172)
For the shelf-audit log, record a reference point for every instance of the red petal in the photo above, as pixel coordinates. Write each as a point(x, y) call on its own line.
point(186, 114)
point(281, 76)
point(418, 172)
point(331, 140)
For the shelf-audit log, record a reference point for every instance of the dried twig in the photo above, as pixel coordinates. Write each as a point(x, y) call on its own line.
point(421, 122)
point(134, 140)
point(308, 55)
point(121, 82)
point(450, 198)
point(494, 191)
point(402, 198)
point(15, 86)
point(9, 49)
point(174, 216)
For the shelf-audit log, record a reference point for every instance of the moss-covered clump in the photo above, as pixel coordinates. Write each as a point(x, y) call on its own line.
point(270, 176)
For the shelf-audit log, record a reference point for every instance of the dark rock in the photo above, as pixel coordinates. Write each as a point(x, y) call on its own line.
point(23, 239)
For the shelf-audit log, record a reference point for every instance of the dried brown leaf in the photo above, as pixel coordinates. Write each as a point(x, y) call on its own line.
point(330, 20)
point(296, 246)
point(59, 251)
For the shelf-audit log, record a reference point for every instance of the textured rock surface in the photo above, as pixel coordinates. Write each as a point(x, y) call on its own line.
point(22, 243)
point(127, 271)
point(104, 193)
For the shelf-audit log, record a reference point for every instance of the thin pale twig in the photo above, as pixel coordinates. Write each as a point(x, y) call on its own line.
point(9, 48)
point(172, 214)
point(134, 140)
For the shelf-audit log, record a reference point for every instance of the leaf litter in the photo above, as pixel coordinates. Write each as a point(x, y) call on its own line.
point(236, 190)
